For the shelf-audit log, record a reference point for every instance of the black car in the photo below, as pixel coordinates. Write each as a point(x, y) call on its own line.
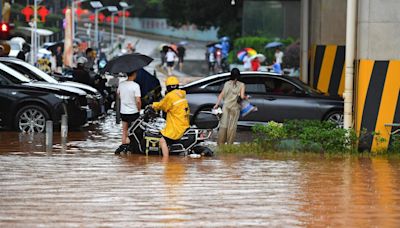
point(26, 105)
point(278, 98)
point(96, 101)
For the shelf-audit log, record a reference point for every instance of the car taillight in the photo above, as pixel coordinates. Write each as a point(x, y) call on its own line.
point(4, 27)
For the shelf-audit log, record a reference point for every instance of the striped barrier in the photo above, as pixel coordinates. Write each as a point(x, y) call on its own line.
point(377, 103)
point(327, 68)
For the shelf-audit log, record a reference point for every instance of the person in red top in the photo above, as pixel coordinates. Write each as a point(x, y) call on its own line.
point(255, 64)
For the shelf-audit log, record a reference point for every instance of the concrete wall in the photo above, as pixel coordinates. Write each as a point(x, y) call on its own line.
point(160, 27)
point(378, 29)
point(328, 22)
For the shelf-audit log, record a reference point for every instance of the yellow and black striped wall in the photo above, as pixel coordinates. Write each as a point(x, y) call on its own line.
point(327, 68)
point(377, 100)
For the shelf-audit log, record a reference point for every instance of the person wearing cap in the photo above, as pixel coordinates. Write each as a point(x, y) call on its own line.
point(79, 73)
point(176, 106)
point(231, 92)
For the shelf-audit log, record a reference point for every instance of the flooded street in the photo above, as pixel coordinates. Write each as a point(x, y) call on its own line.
point(85, 184)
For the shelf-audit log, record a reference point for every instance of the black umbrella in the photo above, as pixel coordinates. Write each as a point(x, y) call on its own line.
point(127, 63)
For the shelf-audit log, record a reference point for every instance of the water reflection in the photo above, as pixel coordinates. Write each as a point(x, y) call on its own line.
point(83, 183)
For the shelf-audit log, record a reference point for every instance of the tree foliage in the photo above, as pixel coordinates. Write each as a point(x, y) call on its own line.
point(206, 14)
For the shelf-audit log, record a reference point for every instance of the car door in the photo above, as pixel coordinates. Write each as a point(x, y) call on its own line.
point(256, 89)
point(286, 101)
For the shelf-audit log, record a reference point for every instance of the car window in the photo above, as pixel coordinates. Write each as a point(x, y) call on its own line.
point(7, 77)
point(216, 86)
point(278, 86)
point(3, 81)
point(254, 85)
point(23, 71)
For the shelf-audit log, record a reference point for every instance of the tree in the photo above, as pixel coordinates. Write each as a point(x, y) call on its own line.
point(206, 14)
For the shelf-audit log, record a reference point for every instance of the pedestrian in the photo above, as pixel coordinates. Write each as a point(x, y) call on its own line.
point(278, 55)
point(163, 53)
point(79, 73)
point(210, 56)
point(59, 59)
point(276, 67)
point(91, 59)
point(175, 105)
point(130, 97)
point(218, 58)
point(232, 92)
point(255, 64)
point(181, 55)
point(170, 57)
point(246, 63)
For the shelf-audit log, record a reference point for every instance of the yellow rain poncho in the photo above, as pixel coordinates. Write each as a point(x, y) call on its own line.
point(177, 109)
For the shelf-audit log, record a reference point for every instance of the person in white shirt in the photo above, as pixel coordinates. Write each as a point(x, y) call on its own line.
point(170, 57)
point(246, 63)
point(278, 56)
point(129, 93)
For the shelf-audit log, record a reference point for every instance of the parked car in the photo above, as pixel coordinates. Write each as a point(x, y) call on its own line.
point(94, 97)
point(27, 105)
point(278, 98)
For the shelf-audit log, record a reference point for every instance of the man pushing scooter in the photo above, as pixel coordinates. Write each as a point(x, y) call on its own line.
point(175, 105)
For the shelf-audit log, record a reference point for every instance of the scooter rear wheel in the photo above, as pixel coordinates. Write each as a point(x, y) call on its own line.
point(203, 151)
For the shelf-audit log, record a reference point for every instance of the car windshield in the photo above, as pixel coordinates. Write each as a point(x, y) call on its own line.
point(306, 87)
point(13, 75)
point(30, 71)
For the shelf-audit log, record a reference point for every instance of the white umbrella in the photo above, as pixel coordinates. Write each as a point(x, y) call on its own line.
point(260, 57)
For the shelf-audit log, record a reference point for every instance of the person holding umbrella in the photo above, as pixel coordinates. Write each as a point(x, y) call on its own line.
point(128, 91)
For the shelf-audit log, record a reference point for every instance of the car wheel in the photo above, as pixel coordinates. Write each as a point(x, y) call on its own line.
point(336, 117)
point(31, 118)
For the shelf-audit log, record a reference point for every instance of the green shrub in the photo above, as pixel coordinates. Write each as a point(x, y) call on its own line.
point(310, 135)
point(395, 144)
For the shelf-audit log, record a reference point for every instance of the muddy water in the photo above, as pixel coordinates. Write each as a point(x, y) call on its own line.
point(84, 184)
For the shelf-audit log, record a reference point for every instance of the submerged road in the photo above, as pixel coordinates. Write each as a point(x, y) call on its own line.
point(83, 184)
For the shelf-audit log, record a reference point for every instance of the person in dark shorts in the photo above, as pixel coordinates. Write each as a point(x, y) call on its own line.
point(181, 55)
point(129, 93)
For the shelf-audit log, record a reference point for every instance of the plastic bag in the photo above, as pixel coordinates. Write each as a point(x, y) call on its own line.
point(246, 108)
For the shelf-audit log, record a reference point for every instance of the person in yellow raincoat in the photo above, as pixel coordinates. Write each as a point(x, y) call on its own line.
point(177, 108)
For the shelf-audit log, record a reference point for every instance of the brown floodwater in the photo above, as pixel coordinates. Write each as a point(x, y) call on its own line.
point(83, 184)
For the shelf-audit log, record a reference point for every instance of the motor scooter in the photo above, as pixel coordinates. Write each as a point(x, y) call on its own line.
point(144, 134)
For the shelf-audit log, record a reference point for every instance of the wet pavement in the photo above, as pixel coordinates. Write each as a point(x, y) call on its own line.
point(83, 184)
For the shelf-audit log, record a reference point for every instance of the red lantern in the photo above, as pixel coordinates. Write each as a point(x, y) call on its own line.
point(108, 19)
point(43, 12)
point(120, 13)
point(64, 10)
point(28, 12)
point(116, 19)
point(92, 17)
point(127, 13)
point(79, 12)
point(101, 17)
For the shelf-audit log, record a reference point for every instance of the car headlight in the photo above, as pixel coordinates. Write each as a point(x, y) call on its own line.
point(62, 97)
